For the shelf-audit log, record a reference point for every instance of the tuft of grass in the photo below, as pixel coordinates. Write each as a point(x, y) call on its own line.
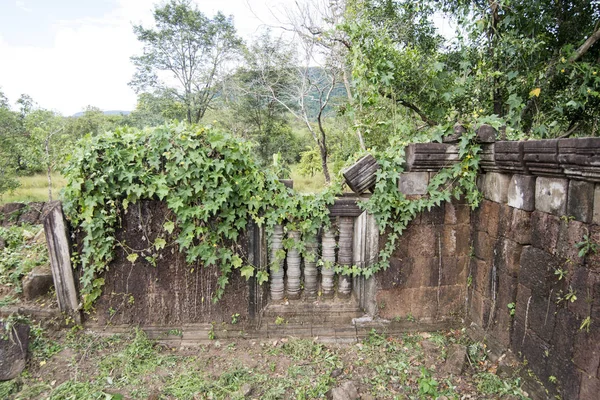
point(307, 184)
point(34, 188)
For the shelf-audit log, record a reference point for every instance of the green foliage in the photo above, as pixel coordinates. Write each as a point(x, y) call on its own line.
point(491, 384)
point(190, 46)
point(511, 308)
point(587, 246)
point(427, 384)
point(21, 254)
point(208, 179)
point(393, 212)
point(310, 162)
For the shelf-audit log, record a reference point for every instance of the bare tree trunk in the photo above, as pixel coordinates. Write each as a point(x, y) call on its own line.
point(351, 101)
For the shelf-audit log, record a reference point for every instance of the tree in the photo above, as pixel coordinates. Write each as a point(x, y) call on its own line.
point(254, 113)
point(47, 141)
point(533, 63)
point(10, 129)
point(185, 55)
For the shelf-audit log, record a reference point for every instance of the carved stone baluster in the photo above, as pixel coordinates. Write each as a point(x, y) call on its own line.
point(293, 268)
point(310, 267)
point(328, 257)
point(275, 265)
point(346, 225)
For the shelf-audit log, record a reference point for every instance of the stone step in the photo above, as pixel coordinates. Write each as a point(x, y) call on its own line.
point(328, 311)
point(191, 335)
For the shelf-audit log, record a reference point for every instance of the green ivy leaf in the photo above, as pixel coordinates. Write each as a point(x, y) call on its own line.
point(247, 271)
point(132, 257)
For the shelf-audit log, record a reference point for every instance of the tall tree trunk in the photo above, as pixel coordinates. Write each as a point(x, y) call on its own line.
point(323, 149)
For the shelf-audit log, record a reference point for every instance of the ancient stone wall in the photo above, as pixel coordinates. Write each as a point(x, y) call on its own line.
point(172, 292)
point(528, 289)
point(426, 279)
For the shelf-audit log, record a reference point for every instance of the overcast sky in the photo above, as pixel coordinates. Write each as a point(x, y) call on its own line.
point(68, 54)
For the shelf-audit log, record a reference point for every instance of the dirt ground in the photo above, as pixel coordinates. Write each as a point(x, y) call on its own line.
point(77, 364)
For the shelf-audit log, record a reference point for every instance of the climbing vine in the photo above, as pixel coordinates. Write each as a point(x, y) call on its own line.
point(208, 180)
point(393, 211)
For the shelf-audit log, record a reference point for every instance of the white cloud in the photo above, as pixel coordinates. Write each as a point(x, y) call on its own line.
point(87, 64)
point(22, 6)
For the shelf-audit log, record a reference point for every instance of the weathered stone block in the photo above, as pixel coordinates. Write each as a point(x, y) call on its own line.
point(587, 352)
point(533, 348)
point(479, 308)
point(596, 212)
point(486, 217)
point(448, 241)
point(500, 324)
point(508, 156)
point(463, 213)
point(520, 227)
point(551, 195)
point(495, 187)
point(435, 216)
point(481, 272)
point(38, 282)
point(504, 220)
point(13, 350)
point(569, 234)
point(537, 270)
point(413, 182)
point(541, 157)
point(455, 360)
point(590, 387)
point(521, 192)
point(507, 256)
point(486, 134)
point(580, 200)
point(544, 231)
point(430, 156)
point(483, 246)
point(422, 241)
point(563, 335)
point(463, 240)
point(451, 300)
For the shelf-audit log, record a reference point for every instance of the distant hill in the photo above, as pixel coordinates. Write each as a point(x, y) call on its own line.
point(109, 112)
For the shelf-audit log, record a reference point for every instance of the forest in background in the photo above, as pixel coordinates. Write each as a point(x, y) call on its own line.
point(347, 76)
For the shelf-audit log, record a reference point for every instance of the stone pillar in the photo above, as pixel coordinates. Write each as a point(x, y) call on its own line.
point(310, 267)
point(59, 249)
point(346, 225)
point(292, 288)
point(275, 264)
point(366, 252)
point(328, 257)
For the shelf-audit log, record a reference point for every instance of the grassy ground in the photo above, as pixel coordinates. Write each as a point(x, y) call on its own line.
point(82, 365)
point(307, 184)
point(34, 188)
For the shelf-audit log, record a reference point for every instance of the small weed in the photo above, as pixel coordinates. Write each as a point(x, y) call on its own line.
point(175, 332)
point(552, 379)
point(211, 332)
point(410, 318)
point(511, 307)
point(586, 246)
point(585, 324)
point(235, 318)
point(427, 385)
point(560, 273)
point(7, 301)
point(111, 311)
point(280, 320)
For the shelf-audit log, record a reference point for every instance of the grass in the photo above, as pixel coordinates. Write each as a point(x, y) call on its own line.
point(307, 184)
point(34, 188)
point(83, 365)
